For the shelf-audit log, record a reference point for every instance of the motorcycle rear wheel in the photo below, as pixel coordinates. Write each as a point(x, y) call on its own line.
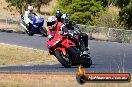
point(62, 60)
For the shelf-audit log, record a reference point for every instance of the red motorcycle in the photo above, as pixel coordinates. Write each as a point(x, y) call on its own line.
point(67, 53)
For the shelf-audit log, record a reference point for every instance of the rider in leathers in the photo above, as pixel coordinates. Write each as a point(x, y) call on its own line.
point(69, 25)
point(53, 26)
point(29, 13)
point(58, 15)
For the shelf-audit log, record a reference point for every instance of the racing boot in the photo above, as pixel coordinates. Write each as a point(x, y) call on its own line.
point(85, 54)
point(86, 51)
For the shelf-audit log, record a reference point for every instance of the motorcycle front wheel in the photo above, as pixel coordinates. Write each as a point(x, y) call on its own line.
point(63, 60)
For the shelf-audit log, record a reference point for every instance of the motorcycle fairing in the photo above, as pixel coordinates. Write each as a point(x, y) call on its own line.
point(68, 43)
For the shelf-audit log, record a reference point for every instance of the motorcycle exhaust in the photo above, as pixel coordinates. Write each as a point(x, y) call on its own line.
point(24, 27)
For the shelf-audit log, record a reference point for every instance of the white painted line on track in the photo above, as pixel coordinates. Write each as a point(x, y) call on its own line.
point(21, 46)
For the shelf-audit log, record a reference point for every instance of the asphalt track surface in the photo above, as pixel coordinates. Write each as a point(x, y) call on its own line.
point(106, 56)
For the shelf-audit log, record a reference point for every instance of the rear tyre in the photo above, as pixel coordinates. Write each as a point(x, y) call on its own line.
point(62, 59)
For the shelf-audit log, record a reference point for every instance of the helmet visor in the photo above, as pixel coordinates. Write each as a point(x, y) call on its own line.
point(50, 23)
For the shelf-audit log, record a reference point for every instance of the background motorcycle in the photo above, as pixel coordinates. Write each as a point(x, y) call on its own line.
point(36, 26)
point(67, 53)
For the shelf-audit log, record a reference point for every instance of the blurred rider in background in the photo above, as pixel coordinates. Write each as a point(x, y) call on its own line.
point(69, 25)
point(27, 15)
point(58, 15)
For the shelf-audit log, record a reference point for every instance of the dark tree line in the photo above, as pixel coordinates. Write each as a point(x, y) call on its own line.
point(21, 5)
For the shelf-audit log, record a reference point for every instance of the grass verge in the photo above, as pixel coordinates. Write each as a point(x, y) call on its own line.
point(13, 55)
point(49, 80)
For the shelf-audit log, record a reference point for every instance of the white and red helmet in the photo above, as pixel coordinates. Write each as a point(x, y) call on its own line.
point(30, 8)
point(52, 22)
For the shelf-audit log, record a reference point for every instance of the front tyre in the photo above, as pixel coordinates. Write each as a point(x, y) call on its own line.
point(62, 59)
